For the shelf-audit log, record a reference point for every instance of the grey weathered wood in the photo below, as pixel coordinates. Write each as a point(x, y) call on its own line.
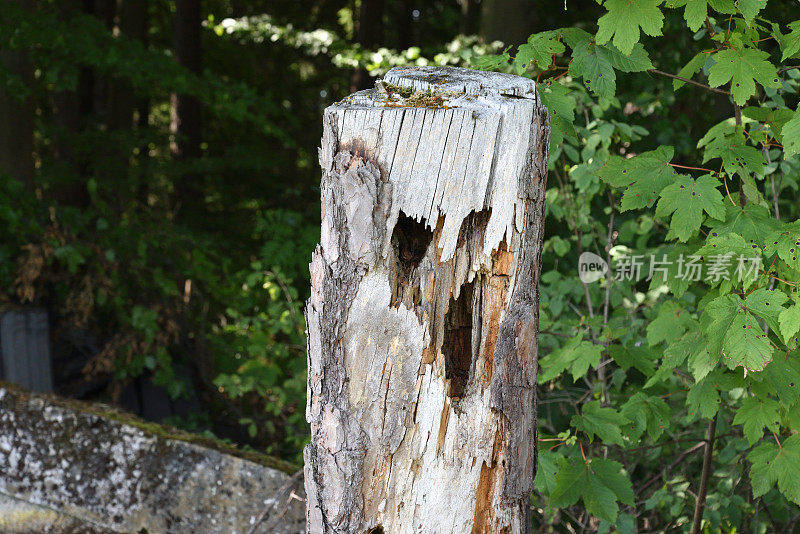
point(423, 314)
point(25, 349)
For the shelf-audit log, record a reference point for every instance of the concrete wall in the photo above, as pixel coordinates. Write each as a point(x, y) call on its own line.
point(73, 467)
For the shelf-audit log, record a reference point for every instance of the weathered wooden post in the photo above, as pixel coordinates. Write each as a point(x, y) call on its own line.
point(423, 316)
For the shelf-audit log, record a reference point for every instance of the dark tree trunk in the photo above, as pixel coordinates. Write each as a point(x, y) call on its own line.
point(132, 24)
point(186, 114)
point(16, 118)
point(470, 17)
point(405, 21)
point(72, 111)
point(370, 36)
point(510, 21)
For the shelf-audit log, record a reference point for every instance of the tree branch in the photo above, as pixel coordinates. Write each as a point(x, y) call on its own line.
point(687, 80)
point(701, 493)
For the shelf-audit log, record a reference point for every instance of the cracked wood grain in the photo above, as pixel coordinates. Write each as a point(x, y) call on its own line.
point(423, 316)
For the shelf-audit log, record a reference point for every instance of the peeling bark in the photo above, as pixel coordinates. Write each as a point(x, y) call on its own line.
point(423, 316)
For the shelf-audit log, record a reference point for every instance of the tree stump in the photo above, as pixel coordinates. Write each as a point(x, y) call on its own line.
point(423, 316)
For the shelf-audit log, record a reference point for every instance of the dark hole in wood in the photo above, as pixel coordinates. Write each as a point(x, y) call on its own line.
point(375, 530)
point(457, 346)
point(473, 227)
point(410, 240)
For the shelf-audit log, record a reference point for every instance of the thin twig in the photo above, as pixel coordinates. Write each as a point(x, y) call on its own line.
point(786, 69)
point(687, 80)
point(700, 503)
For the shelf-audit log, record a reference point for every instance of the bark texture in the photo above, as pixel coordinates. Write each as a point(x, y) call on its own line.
point(423, 316)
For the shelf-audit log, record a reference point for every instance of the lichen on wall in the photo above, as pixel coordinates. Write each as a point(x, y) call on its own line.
point(119, 476)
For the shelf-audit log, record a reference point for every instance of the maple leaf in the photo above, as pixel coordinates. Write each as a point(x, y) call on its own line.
point(647, 413)
point(751, 221)
point(540, 48)
point(743, 68)
point(774, 463)
point(781, 377)
point(789, 320)
point(670, 324)
point(786, 243)
point(600, 483)
point(756, 414)
point(790, 43)
point(736, 155)
point(750, 8)
point(791, 136)
point(690, 69)
point(603, 422)
point(703, 399)
point(735, 332)
point(625, 18)
point(686, 199)
point(643, 176)
point(576, 356)
point(556, 98)
point(595, 63)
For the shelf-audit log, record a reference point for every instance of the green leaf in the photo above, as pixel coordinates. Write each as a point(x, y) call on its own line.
point(596, 63)
point(670, 324)
point(646, 413)
point(690, 69)
point(686, 199)
point(751, 221)
point(723, 6)
point(789, 321)
point(561, 105)
point(636, 61)
point(729, 243)
point(545, 480)
point(737, 332)
point(600, 421)
point(640, 358)
point(695, 13)
point(625, 18)
point(743, 68)
point(791, 136)
point(756, 414)
point(767, 304)
point(781, 377)
point(750, 8)
point(643, 176)
point(540, 48)
point(702, 362)
point(790, 44)
point(576, 356)
point(674, 355)
point(593, 64)
point(786, 243)
point(737, 156)
point(774, 118)
point(491, 62)
point(773, 463)
point(703, 398)
point(600, 483)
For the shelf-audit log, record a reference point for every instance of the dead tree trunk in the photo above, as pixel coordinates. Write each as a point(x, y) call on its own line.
point(423, 316)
